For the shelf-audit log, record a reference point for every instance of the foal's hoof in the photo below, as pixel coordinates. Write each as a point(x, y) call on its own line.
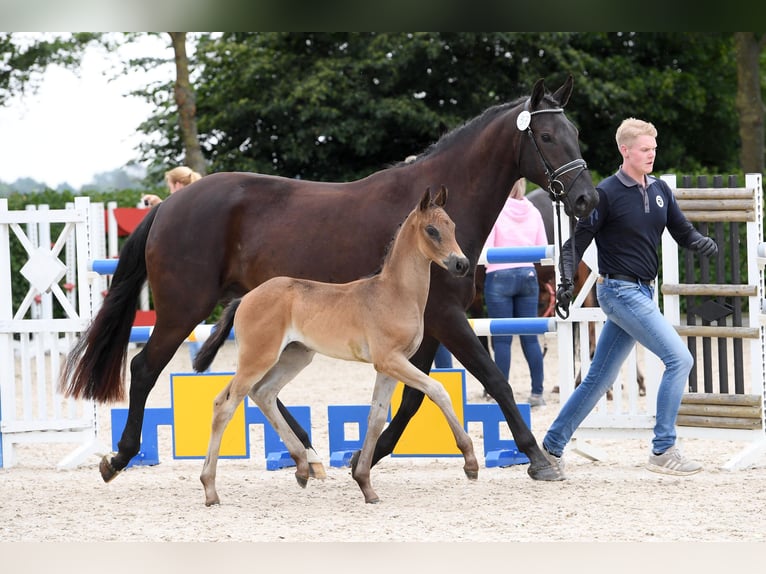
point(316, 470)
point(472, 474)
point(302, 480)
point(549, 471)
point(108, 472)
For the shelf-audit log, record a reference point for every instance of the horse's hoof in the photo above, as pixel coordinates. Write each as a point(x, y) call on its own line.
point(374, 500)
point(549, 472)
point(214, 502)
point(108, 472)
point(472, 474)
point(302, 480)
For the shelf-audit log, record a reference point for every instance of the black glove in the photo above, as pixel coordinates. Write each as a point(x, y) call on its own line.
point(705, 246)
point(564, 295)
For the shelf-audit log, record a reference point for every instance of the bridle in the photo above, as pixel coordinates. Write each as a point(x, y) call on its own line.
point(556, 188)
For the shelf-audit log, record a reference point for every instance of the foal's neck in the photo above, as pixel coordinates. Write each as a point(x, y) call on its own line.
point(406, 266)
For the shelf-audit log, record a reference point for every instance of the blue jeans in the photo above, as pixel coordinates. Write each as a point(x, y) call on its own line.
point(632, 316)
point(514, 293)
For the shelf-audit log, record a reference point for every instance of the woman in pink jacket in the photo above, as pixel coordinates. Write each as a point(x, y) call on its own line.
point(511, 289)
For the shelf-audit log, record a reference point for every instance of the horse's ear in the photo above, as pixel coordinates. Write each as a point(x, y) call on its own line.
point(538, 92)
point(563, 93)
point(425, 201)
point(441, 198)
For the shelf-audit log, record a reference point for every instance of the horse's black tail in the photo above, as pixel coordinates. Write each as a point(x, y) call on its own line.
point(220, 333)
point(95, 366)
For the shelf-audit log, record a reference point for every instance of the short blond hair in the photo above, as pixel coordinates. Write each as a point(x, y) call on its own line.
point(181, 174)
point(632, 128)
point(519, 189)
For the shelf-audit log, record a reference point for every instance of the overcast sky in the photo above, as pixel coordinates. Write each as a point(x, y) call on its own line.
point(75, 127)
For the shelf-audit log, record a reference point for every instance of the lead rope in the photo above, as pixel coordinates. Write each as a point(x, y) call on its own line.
point(564, 313)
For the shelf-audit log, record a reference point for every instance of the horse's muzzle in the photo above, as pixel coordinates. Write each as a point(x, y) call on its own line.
point(457, 265)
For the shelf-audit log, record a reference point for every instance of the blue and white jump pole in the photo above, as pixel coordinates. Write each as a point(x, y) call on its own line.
point(516, 326)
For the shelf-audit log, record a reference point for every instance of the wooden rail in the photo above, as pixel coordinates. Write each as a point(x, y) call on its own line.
point(721, 411)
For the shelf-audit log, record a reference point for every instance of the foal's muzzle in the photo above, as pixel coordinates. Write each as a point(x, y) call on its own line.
point(458, 265)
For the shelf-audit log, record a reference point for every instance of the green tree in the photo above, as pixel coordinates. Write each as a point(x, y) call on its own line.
point(338, 106)
point(749, 49)
point(185, 100)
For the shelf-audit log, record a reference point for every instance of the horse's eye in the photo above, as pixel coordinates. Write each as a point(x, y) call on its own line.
point(433, 233)
point(547, 138)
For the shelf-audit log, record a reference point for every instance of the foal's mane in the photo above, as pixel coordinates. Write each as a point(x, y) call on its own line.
point(387, 252)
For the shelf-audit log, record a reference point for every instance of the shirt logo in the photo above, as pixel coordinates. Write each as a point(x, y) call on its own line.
point(659, 201)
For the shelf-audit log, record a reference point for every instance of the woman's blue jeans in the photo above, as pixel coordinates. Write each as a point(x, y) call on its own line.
point(632, 316)
point(511, 293)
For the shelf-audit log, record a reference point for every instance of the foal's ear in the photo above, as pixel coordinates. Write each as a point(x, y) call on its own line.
point(441, 197)
point(425, 201)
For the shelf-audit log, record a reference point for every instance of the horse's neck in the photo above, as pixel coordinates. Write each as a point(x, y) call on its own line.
point(406, 269)
point(481, 176)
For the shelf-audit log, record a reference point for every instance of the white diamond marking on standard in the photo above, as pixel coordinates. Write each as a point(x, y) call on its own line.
point(43, 269)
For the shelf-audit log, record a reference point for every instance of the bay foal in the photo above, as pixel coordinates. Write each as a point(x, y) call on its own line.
point(282, 323)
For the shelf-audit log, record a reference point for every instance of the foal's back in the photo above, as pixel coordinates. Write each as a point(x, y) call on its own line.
point(327, 318)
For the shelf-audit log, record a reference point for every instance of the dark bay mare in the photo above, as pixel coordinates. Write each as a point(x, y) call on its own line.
point(225, 234)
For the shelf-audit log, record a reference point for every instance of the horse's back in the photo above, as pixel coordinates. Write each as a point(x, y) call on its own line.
point(240, 229)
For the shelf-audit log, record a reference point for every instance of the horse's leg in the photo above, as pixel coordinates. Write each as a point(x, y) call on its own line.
point(400, 369)
point(224, 406)
point(293, 360)
point(145, 368)
point(458, 336)
point(462, 342)
point(640, 381)
point(316, 468)
point(361, 463)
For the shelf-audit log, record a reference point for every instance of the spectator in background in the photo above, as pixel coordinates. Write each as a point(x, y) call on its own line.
point(511, 289)
point(176, 178)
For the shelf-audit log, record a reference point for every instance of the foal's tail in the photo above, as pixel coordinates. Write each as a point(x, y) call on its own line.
point(95, 366)
point(220, 333)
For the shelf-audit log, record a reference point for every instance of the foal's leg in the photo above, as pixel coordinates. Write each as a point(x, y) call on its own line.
point(460, 339)
point(400, 368)
point(360, 467)
point(224, 406)
point(293, 360)
point(411, 401)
